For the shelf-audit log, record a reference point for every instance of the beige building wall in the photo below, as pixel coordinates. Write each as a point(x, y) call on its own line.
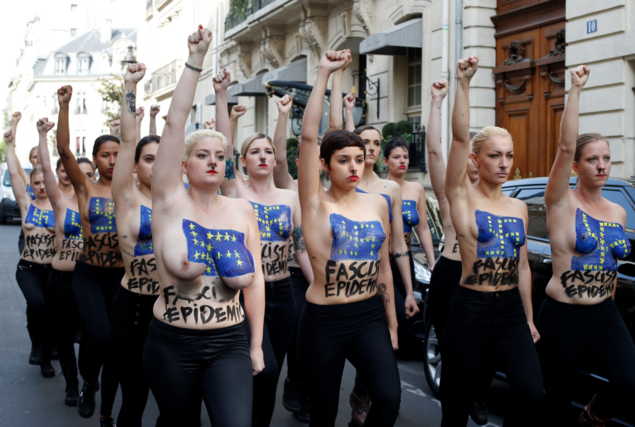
point(607, 105)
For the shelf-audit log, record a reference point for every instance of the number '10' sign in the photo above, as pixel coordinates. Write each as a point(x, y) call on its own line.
point(591, 26)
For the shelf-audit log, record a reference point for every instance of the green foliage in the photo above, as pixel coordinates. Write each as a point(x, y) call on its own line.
point(403, 127)
point(292, 150)
point(388, 130)
point(3, 144)
point(111, 91)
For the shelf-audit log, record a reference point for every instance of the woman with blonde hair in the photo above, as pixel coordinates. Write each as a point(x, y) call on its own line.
point(491, 313)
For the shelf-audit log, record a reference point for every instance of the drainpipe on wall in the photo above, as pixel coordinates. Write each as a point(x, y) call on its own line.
point(458, 36)
point(445, 74)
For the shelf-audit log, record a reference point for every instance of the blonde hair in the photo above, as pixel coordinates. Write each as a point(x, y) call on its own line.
point(194, 137)
point(486, 133)
point(583, 140)
point(36, 169)
point(251, 138)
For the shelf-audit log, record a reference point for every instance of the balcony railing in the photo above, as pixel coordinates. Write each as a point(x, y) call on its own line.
point(164, 77)
point(149, 9)
point(417, 150)
point(239, 10)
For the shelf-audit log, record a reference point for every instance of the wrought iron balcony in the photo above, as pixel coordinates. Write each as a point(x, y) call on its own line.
point(239, 10)
point(164, 78)
point(417, 150)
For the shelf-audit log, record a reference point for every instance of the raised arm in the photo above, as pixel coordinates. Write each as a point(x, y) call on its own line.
point(229, 186)
point(17, 183)
point(15, 119)
point(281, 176)
point(167, 176)
point(114, 127)
point(349, 104)
point(558, 183)
point(309, 185)
point(122, 181)
point(75, 174)
point(460, 150)
point(154, 110)
point(335, 118)
point(140, 115)
point(298, 244)
point(52, 190)
point(231, 171)
point(433, 143)
point(210, 124)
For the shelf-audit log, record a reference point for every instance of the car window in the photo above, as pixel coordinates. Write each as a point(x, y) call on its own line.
point(623, 200)
point(508, 191)
point(535, 199)
point(6, 179)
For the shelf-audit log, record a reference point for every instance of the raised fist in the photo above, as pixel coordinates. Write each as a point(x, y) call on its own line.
point(15, 119)
point(64, 94)
point(43, 125)
point(8, 137)
point(141, 112)
point(334, 60)
point(349, 59)
point(439, 89)
point(580, 75)
point(349, 101)
point(237, 111)
point(210, 123)
point(221, 80)
point(198, 43)
point(135, 73)
point(466, 68)
point(114, 127)
point(284, 104)
point(154, 110)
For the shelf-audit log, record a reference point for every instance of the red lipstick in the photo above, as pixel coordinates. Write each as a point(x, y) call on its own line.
point(402, 167)
point(213, 172)
point(353, 177)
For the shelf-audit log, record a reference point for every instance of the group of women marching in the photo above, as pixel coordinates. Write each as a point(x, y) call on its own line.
point(199, 296)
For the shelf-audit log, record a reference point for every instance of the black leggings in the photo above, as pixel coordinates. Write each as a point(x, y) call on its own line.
point(94, 289)
point(300, 285)
point(130, 318)
point(60, 303)
point(32, 278)
point(280, 313)
point(331, 334)
point(177, 362)
point(482, 325)
point(444, 282)
point(566, 331)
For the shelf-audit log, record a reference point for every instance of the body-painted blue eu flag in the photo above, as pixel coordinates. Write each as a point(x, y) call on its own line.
point(144, 244)
point(355, 240)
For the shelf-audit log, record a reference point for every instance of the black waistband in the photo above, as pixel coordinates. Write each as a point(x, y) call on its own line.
point(350, 309)
point(100, 273)
point(124, 295)
point(511, 293)
point(45, 268)
point(445, 262)
point(61, 274)
point(175, 330)
point(279, 283)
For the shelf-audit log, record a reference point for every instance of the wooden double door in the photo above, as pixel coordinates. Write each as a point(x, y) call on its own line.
point(530, 86)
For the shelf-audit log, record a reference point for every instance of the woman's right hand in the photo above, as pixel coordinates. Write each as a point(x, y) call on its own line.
point(257, 361)
point(198, 43)
point(8, 137)
point(439, 89)
point(466, 68)
point(237, 111)
point(284, 104)
point(334, 60)
point(44, 126)
point(579, 76)
point(64, 95)
point(15, 119)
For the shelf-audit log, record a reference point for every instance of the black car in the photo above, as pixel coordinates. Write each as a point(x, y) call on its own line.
point(593, 373)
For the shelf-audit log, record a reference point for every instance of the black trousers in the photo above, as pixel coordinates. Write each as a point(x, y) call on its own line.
point(21, 242)
point(331, 334)
point(280, 314)
point(567, 330)
point(130, 318)
point(444, 282)
point(300, 285)
point(32, 278)
point(94, 289)
point(494, 325)
point(178, 362)
point(62, 309)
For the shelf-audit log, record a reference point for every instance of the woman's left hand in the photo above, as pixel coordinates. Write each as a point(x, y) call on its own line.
point(411, 306)
point(394, 338)
point(257, 361)
point(535, 335)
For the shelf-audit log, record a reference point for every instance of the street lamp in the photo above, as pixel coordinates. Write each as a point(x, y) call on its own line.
point(128, 59)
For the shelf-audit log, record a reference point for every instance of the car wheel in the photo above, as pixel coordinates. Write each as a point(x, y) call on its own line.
point(432, 360)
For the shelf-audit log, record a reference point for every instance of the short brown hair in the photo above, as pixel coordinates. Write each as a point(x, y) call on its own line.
point(337, 140)
point(583, 140)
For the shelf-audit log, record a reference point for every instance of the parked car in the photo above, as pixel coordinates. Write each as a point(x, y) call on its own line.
point(8, 206)
point(592, 373)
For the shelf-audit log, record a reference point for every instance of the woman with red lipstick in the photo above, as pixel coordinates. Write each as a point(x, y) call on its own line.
point(279, 221)
point(99, 267)
point(38, 223)
point(587, 238)
point(207, 249)
point(60, 300)
point(345, 234)
point(491, 315)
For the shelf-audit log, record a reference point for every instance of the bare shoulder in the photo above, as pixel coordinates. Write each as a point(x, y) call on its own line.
point(241, 206)
point(519, 206)
point(289, 195)
point(618, 211)
point(391, 187)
